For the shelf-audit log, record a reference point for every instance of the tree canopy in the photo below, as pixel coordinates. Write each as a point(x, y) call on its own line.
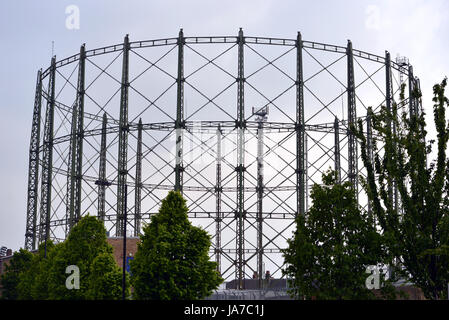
point(333, 245)
point(172, 259)
point(85, 247)
point(418, 227)
point(43, 276)
point(20, 261)
point(33, 284)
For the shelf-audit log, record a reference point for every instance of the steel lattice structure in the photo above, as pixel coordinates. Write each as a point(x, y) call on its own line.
point(174, 113)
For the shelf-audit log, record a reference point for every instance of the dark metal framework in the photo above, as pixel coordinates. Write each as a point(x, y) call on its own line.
point(47, 159)
point(172, 116)
point(33, 169)
point(74, 180)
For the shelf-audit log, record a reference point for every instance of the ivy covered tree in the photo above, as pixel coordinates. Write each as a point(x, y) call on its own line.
point(172, 260)
point(418, 227)
point(333, 245)
point(10, 280)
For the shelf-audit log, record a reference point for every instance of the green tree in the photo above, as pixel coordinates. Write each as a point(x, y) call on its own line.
point(19, 263)
point(333, 245)
point(105, 279)
point(172, 261)
point(418, 229)
point(87, 248)
point(33, 284)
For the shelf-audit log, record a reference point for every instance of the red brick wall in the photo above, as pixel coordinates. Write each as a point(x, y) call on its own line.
point(3, 262)
point(414, 293)
point(117, 245)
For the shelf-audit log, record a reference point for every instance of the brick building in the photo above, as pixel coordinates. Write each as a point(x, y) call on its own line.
point(115, 242)
point(117, 245)
point(4, 260)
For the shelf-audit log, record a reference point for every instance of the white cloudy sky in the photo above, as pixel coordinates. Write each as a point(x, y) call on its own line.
point(417, 29)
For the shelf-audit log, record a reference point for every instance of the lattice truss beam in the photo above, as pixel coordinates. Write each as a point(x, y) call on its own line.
point(177, 114)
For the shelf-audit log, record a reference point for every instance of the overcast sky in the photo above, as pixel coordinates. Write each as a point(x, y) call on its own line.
point(417, 29)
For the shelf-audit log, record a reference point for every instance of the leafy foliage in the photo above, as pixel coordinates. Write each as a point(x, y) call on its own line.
point(33, 283)
point(333, 245)
point(418, 233)
point(105, 279)
point(20, 261)
point(44, 277)
point(87, 248)
point(172, 261)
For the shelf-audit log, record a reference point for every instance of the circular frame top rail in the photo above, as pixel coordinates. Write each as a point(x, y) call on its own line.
point(224, 39)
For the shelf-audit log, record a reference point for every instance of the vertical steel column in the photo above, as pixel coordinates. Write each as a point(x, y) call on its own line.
point(123, 143)
point(260, 190)
point(33, 168)
point(369, 145)
point(337, 150)
point(138, 189)
point(47, 160)
point(388, 100)
point(74, 180)
point(388, 82)
point(80, 134)
point(71, 172)
point(300, 130)
point(411, 88)
point(102, 182)
point(392, 187)
point(418, 102)
point(240, 124)
point(352, 119)
point(179, 124)
point(306, 171)
point(125, 218)
point(218, 191)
